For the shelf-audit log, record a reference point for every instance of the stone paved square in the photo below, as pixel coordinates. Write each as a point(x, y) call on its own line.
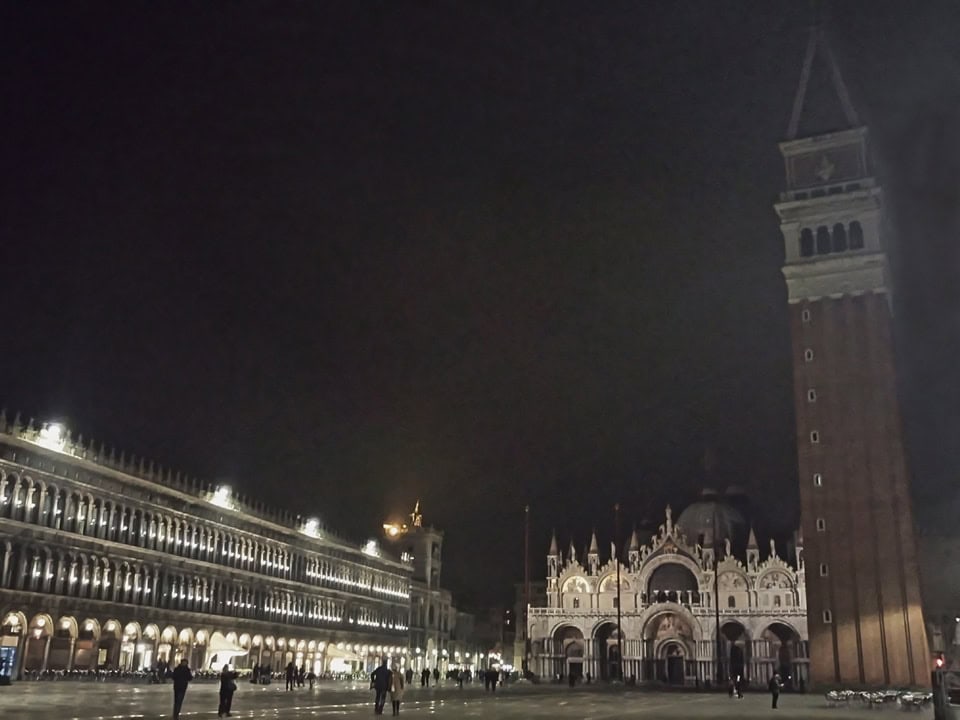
point(104, 701)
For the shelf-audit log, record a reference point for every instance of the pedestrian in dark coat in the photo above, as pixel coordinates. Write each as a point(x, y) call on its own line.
point(381, 681)
point(181, 678)
point(291, 676)
point(228, 686)
point(774, 686)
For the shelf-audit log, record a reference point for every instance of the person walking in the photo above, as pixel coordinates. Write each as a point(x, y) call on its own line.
point(380, 681)
point(181, 676)
point(291, 676)
point(774, 686)
point(228, 686)
point(396, 689)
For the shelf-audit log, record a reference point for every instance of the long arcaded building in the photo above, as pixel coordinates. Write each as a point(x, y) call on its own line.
point(112, 563)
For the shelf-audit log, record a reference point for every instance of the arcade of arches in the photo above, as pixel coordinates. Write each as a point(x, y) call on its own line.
point(668, 652)
point(77, 644)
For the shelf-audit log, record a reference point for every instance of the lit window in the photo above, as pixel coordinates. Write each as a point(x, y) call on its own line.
point(805, 315)
point(808, 355)
point(821, 525)
point(827, 617)
point(815, 437)
point(824, 570)
point(811, 395)
point(817, 480)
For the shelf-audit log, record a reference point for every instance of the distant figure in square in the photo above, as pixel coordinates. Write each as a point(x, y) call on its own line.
point(228, 686)
point(774, 686)
point(181, 676)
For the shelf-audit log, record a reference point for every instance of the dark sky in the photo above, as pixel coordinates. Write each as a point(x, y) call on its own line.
point(349, 254)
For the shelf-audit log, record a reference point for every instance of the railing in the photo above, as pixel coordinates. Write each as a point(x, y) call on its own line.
point(701, 609)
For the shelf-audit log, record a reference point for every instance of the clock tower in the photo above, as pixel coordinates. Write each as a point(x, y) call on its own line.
point(863, 592)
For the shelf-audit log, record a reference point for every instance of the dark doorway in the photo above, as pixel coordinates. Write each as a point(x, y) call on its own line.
point(675, 674)
point(608, 652)
point(737, 644)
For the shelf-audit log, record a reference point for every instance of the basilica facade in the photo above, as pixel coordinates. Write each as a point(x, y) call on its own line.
point(691, 608)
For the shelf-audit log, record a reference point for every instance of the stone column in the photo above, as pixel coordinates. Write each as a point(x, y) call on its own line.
point(21, 653)
point(46, 651)
point(6, 576)
point(48, 583)
point(155, 589)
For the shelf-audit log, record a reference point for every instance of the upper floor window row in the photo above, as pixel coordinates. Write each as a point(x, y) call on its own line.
point(26, 500)
point(825, 241)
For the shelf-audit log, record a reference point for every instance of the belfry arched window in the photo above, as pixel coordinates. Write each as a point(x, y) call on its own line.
point(839, 238)
point(806, 243)
point(823, 240)
point(856, 236)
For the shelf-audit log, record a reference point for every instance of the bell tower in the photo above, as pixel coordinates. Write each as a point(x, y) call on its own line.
point(863, 593)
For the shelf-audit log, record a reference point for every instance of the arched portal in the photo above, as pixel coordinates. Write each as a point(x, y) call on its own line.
point(62, 644)
point(569, 647)
point(38, 642)
point(737, 646)
point(783, 645)
point(88, 642)
point(607, 648)
point(130, 657)
point(167, 647)
point(108, 650)
point(673, 655)
point(12, 636)
point(668, 648)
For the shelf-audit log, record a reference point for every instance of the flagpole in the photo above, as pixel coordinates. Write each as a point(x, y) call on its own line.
point(526, 586)
point(616, 557)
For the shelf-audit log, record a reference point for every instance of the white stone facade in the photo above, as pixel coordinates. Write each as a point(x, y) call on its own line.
point(668, 614)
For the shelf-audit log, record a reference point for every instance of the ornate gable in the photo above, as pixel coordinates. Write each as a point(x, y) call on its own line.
point(670, 540)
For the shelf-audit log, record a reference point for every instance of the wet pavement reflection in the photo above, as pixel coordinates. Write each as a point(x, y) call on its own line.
point(66, 700)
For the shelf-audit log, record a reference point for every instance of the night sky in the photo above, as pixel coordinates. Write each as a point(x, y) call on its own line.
point(344, 255)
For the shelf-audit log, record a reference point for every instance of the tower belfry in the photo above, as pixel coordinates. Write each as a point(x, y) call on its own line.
point(863, 595)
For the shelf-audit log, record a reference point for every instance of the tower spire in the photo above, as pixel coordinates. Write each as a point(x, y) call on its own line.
point(818, 41)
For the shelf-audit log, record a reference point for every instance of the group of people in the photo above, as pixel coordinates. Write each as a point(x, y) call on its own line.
point(774, 686)
point(296, 677)
point(383, 680)
point(182, 676)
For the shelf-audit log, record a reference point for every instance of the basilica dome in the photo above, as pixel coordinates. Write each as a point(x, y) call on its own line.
point(712, 515)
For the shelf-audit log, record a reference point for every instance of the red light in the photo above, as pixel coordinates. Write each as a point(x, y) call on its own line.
point(940, 662)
